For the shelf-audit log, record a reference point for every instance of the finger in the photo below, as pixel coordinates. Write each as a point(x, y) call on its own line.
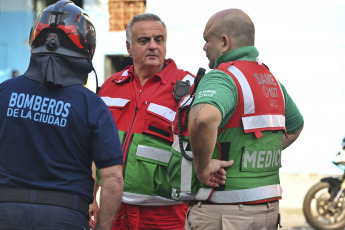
point(225, 164)
point(95, 215)
point(212, 184)
point(91, 224)
point(221, 172)
point(219, 180)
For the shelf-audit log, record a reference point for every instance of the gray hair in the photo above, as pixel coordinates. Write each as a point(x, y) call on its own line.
point(140, 18)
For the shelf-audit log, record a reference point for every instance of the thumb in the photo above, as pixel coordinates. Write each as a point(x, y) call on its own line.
point(95, 216)
point(225, 164)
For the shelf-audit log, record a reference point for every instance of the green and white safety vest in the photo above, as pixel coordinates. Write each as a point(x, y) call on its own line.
point(252, 138)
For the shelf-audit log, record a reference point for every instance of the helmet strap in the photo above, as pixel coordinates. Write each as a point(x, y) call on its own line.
point(97, 87)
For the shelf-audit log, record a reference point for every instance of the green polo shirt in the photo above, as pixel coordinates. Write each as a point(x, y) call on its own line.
point(218, 89)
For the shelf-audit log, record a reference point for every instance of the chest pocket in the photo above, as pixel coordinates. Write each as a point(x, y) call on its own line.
point(159, 121)
point(116, 106)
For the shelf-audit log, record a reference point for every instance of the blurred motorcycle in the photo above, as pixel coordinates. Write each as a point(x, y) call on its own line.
point(324, 203)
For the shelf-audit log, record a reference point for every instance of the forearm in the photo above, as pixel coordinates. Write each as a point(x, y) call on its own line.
point(203, 128)
point(96, 185)
point(110, 199)
point(93, 208)
point(287, 141)
point(203, 140)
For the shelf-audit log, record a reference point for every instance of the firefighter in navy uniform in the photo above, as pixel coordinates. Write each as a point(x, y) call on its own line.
point(52, 128)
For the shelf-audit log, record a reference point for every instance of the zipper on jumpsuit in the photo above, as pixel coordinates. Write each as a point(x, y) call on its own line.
point(127, 143)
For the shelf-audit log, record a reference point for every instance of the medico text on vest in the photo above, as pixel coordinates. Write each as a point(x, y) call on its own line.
point(270, 159)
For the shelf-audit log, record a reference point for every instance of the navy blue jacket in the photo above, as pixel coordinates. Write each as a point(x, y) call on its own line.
point(50, 135)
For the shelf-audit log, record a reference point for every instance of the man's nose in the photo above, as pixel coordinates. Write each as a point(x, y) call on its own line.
point(153, 45)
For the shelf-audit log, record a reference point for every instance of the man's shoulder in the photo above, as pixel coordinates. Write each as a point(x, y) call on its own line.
point(218, 73)
point(118, 77)
point(175, 73)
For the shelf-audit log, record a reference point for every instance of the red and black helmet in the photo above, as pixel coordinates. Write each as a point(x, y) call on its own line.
point(63, 28)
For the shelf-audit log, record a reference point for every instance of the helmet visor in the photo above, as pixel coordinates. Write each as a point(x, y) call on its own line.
point(68, 22)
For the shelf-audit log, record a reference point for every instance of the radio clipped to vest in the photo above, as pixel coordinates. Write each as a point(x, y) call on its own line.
point(181, 174)
point(181, 89)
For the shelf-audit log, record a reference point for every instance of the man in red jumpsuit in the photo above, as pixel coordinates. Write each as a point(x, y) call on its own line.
point(141, 100)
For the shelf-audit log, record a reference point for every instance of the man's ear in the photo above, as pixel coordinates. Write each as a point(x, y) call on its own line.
point(226, 43)
point(128, 46)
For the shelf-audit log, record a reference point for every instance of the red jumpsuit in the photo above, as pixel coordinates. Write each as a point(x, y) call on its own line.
point(144, 116)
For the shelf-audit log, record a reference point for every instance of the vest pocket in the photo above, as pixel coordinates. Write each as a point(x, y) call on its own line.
point(158, 121)
point(152, 168)
point(116, 106)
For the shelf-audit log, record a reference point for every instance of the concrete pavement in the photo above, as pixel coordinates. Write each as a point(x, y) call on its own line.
point(295, 187)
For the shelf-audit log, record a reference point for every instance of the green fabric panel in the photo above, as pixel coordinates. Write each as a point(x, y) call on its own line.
point(241, 179)
point(239, 140)
point(248, 53)
point(143, 175)
point(236, 183)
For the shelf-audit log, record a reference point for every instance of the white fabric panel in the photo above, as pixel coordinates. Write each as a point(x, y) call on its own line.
point(249, 106)
point(263, 121)
point(139, 199)
point(153, 153)
point(162, 111)
point(119, 102)
point(190, 78)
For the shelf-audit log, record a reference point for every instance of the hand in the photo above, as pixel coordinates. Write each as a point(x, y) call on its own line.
point(93, 213)
point(214, 174)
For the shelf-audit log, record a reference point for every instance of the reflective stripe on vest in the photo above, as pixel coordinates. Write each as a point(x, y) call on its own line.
point(163, 111)
point(120, 102)
point(248, 98)
point(125, 73)
point(243, 195)
point(187, 100)
point(186, 168)
point(256, 121)
point(154, 153)
point(139, 199)
point(263, 121)
point(189, 78)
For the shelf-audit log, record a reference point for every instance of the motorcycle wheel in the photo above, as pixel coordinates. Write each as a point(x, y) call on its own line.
point(321, 212)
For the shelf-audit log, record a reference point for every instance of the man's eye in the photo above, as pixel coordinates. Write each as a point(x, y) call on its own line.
point(142, 41)
point(159, 39)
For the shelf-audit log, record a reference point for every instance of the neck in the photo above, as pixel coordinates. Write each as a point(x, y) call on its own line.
point(144, 74)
